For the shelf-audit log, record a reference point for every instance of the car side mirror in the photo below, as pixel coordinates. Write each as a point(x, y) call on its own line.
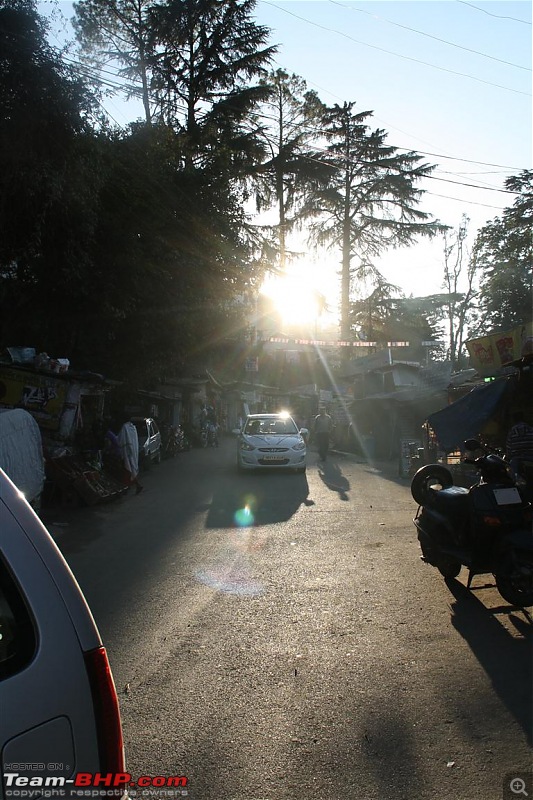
point(236, 431)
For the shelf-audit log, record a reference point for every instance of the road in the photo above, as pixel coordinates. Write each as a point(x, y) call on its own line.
point(276, 637)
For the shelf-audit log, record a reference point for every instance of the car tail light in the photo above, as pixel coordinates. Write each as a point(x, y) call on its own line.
point(107, 714)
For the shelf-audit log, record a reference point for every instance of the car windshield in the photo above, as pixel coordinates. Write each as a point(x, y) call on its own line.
point(276, 426)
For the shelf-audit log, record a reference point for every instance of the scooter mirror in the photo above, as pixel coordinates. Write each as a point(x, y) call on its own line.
point(472, 444)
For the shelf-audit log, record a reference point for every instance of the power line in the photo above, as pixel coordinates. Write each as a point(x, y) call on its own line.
point(429, 35)
point(465, 202)
point(392, 53)
point(498, 16)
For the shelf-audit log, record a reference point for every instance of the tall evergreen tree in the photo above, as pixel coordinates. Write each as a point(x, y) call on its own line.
point(290, 120)
point(208, 55)
point(370, 200)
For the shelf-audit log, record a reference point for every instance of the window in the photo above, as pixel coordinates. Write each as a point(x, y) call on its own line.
point(17, 634)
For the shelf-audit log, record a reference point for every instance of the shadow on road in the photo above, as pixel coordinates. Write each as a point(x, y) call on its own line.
point(331, 475)
point(257, 499)
point(505, 658)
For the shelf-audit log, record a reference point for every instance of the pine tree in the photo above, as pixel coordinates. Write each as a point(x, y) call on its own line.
point(369, 202)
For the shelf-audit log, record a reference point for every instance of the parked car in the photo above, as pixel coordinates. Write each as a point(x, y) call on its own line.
point(271, 441)
point(59, 708)
point(149, 441)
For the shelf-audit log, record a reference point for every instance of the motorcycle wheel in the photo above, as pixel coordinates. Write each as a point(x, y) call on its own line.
point(517, 588)
point(428, 477)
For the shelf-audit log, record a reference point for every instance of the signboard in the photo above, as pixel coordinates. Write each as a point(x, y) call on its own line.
point(489, 353)
point(42, 395)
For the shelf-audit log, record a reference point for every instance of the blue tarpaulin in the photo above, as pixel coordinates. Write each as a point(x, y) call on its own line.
point(467, 417)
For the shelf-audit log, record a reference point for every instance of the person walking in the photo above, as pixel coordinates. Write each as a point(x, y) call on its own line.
point(322, 430)
point(128, 441)
point(519, 443)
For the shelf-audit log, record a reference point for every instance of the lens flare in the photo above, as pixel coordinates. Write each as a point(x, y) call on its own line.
point(244, 517)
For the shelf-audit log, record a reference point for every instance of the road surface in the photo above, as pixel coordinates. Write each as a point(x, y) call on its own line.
point(276, 637)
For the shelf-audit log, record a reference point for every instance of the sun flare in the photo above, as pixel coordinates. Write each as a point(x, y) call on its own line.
point(298, 296)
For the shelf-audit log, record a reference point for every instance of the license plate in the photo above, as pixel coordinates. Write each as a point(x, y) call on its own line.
point(507, 497)
point(272, 458)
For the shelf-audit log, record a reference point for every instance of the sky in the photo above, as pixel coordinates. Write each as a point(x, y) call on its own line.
point(449, 79)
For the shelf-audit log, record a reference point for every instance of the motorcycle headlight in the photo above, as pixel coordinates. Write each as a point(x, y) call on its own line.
point(299, 446)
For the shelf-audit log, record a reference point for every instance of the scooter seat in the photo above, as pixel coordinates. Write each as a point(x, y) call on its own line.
point(452, 501)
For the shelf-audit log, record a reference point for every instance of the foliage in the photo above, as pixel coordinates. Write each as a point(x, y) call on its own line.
point(382, 317)
point(121, 260)
point(118, 32)
point(44, 130)
point(503, 252)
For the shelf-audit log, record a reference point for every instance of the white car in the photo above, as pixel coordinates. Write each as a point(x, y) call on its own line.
point(271, 441)
point(149, 441)
point(59, 708)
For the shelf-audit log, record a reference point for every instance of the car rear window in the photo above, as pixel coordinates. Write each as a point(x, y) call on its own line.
point(17, 633)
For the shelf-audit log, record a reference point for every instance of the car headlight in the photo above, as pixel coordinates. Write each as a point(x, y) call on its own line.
point(299, 446)
point(246, 446)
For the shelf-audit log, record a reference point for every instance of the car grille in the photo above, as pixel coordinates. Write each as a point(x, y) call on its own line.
point(273, 449)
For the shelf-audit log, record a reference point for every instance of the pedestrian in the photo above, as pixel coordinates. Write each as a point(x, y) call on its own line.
point(128, 441)
point(519, 443)
point(322, 430)
point(112, 455)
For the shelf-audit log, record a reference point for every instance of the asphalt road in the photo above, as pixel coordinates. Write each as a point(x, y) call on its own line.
point(276, 637)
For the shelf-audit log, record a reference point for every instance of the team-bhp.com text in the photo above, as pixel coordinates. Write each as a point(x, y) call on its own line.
point(90, 780)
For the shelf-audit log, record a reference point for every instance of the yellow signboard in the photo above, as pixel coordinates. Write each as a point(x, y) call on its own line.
point(489, 353)
point(42, 395)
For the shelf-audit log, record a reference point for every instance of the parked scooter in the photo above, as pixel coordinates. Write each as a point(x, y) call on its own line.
point(486, 528)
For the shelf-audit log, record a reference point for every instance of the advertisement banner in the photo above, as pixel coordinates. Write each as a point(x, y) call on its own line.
point(42, 396)
point(489, 353)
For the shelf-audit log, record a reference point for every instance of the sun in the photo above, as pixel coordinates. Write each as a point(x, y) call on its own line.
point(295, 303)
point(298, 296)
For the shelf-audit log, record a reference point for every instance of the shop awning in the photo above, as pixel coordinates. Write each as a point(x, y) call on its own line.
point(467, 417)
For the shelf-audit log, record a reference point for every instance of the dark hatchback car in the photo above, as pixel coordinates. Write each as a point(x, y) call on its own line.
point(59, 712)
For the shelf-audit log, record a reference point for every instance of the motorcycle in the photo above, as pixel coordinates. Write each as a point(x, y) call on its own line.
point(175, 441)
point(170, 445)
point(182, 441)
point(486, 528)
